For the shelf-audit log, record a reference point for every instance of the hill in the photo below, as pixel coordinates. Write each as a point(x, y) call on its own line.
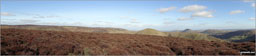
point(209, 35)
point(215, 32)
point(41, 42)
point(238, 36)
point(149, 31)
point(189, 30)
point(70, 28)
point(194, 36)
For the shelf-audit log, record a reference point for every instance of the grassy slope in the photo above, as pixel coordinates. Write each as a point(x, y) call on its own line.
point(194, 36)
point(239, 36)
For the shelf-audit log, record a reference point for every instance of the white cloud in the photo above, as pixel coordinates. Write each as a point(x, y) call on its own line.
point(253, 5)
point(230, 22)
point(252, 18)
point(150, 25)
point(134, 25)
point(134, 21)
point(6, 14)
point(103, 24)
point(141, 25)
point(52, 16)
point(185, 18)
point(247, 0)
point(236, 12)
point(163, 10)
point(125, 17)
point(99, 21)
point(198, 11)
point(168, 23)
point(192, 8)
point(131, 25)
point(206, 14)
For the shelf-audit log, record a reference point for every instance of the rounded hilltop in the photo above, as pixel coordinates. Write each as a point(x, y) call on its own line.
point(149, 31)
point(187, 30)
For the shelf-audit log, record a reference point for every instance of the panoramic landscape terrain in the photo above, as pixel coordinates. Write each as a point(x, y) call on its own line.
point(85, 27)
point(72, 40)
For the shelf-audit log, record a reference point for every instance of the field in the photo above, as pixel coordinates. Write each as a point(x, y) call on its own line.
point(40, 42)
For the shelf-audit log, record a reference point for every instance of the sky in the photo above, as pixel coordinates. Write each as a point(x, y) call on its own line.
point(164, 15)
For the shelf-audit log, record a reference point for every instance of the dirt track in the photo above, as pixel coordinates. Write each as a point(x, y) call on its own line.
point(17, 41)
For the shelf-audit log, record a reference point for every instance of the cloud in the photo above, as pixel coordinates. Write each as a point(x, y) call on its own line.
point(247, 0)
point(125, 17)
point(231, 23)
point(167, 23)
point(134, 21)
point(206, 14)
point(8, 21)
point(140, 25)
point(253, 5)
point(7, 14)
point(133, 25)
point(252, 18)
point(99, 21)
point(35, 15)
point(150, 25)
point(198, 11)
point(39, 16)
point(236, 12)
point(163, 10)
point(103, 23)
point(184, 18)
point(192, 8)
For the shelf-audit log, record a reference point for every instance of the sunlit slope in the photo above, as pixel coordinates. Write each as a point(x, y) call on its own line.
point(194, 36)
point(149, 31)
point(239, 36)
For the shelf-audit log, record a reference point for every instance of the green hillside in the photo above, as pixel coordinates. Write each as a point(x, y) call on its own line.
point(194, 36)
point(238, 36)
point(215, 32)
point(149, 31)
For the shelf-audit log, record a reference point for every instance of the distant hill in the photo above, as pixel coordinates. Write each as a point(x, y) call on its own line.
point(215, 32)
point(239, 36)
point(189, 30)
point(149, 31)
point(194, 36)
point(69, 28)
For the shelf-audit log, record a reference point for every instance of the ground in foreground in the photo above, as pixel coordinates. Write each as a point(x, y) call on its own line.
point(36, 42)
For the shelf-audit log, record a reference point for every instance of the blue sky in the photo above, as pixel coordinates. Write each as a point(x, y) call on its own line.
point(132, 15)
